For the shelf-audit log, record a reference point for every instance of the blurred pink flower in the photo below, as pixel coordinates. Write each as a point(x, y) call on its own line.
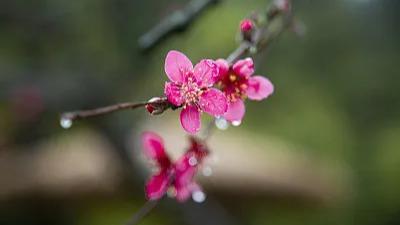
point(238, 83)
point(178, 176)
point(192, 89)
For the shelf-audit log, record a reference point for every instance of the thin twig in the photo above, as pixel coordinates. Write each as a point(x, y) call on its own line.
point(142, 212)
point(175, 22)
point(83, 114)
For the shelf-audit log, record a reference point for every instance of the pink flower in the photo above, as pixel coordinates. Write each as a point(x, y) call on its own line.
point(237, 83)
point(246, 25)
point(178, 176)
point(192, 89)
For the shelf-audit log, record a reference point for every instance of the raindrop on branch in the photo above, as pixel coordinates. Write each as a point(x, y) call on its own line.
point(65, 123)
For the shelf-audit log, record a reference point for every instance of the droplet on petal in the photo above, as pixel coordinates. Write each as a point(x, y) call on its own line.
point(192, 161)
point(65, 123)
point(221, 123)
point(207, 171)
point(236, 123)
point(198, 196)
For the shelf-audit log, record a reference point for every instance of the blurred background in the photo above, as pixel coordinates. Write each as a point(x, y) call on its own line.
point(324, 149)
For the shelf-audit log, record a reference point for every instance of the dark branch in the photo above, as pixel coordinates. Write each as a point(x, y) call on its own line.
point(83, 114)
point(154, 106)
point(177, 21)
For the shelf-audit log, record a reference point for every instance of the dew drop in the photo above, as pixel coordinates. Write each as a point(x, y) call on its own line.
point(221, 123)
point(171, 192)
point(65, 123)
point(236, 123)
point(207, 171)
point(198, 196)
point(192, 161)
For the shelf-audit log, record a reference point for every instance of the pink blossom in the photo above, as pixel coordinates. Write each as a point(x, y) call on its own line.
point(178, 176)
point(246, 25)
point(192, 89)
point(237, 82)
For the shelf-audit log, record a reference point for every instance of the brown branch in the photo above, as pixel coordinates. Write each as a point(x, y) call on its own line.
point(154, 106)
point(83, 114)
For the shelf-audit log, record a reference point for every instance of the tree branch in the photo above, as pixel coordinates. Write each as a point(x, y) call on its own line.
point(176, 22)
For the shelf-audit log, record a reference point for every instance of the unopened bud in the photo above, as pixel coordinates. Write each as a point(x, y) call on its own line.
point(157, 105)
point(246, 25)
point(247, 28)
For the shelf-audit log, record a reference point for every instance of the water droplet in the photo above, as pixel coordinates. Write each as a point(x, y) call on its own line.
point(198, 196)
point(236, 123)
point(65, 123)
point(221, 123)
point(171, 192)
point(207, 171)
point(192, 161)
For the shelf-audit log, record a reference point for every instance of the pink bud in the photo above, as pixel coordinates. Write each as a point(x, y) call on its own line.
point(246, 25)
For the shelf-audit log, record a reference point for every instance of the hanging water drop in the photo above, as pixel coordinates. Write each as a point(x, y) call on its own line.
point(171, 192)
point(236, 123)
point(221, 123)
point(65, 123)
point(207, 171)
point(198, 196)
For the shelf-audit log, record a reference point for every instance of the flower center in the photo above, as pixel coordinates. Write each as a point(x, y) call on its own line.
point(234, 86)
point(191, 91)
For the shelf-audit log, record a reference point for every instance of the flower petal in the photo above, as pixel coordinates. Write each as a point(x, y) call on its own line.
point(157, 185)
point(235, 111)
point(223, 67)
point(213, 102)
point(259, 88)
point(173, 93)
point(206, 72)
point(244, 67)
point(153, 147)
point(190, 119)
point(177, 66)
point(184, 178)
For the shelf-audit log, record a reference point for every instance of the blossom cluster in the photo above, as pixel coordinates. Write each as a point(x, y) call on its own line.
point(213, 87)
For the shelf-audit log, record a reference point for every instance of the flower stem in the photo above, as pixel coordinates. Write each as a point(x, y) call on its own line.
point(142, 212)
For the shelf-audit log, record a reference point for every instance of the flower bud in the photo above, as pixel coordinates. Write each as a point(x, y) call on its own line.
point(157, 105)
point(246, 25)
point(246, 29)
